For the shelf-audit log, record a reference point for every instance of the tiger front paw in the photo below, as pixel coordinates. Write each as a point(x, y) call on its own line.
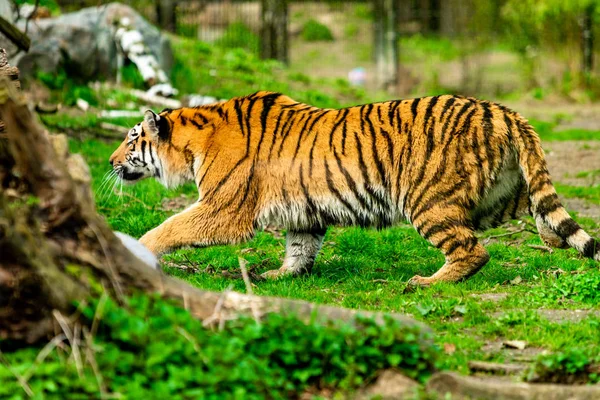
point(420, 281)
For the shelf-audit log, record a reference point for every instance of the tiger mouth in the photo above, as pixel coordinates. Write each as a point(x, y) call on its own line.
point(130, 176)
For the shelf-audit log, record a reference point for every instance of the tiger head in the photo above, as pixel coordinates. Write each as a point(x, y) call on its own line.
point(156, 147)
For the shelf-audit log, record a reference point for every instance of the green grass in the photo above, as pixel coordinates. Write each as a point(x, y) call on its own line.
point(589, 193)
point(368, 269)
point(547, 131)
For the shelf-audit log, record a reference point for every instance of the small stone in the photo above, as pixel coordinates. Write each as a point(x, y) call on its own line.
point(515, 344)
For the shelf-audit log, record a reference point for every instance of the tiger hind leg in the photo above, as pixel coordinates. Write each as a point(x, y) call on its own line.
point(455, 237)
point(301, 249)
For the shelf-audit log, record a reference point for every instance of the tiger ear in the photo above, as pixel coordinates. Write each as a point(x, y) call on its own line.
point(157, 125)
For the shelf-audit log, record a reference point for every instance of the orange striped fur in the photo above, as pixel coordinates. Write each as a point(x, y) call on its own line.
point(450, 165)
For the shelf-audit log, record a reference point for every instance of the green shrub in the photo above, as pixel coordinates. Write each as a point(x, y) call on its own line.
point(238, 35)
point(568, 366)
point(66, 90)
point(582, 287)
point(314, 31)
point(153, 349)
point(131, 76)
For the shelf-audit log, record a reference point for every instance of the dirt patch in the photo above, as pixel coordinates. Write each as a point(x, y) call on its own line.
point(493, 297)
point(497, 346)
point(564, 316)
point(581, 207)
point(567, 159)
point(177, 203)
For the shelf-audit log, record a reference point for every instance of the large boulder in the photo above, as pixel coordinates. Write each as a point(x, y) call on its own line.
point(83, 42)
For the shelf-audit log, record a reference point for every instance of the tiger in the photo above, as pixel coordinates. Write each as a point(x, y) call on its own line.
point(449, 165)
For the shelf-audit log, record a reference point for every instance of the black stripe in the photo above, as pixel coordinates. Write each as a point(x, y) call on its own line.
point(590, 248)
point(378, 162)
point(201, 117)
point(300, 138)
point(390, 145)
point(379, 113)
point(274, 134)
point(248, 119)
point(517, 199)
point(268, 102)
point(547, 205)
point(240, 114)
point(345, 112)
point(144, 151)
point(197, 125)
point(447, 106)
point(446, 124)
point(438, 197)
point(441, 227)
point(567, 228)
point(414, 108)
point(435, 178)
point(288, 124)
point(429, 110)
point(150, 152)
point(207, 169)
point(350, 182)
point(361, 161)
point(243, 199)
point(310, 155)
point(468, 244)
point(337, 193)
point(286, 132)
point(392, 112)
point(344, 133)
point(488, 132)
point(309, 201)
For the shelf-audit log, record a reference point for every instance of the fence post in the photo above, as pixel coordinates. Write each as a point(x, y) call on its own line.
point(274, 30)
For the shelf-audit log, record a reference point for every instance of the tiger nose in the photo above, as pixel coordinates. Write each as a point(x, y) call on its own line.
point(111, 162)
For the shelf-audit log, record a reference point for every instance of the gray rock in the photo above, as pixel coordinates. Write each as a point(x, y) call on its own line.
point(138, 250)
point(83, 42)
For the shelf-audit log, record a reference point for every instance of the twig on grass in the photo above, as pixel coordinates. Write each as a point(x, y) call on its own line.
point(541, 248)
point(73, 340)
point(246, 278)
point(489, 238)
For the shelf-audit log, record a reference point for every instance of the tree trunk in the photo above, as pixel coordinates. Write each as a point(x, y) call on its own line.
point(274, 30)
point(587, 42)
point(56, 250)
point(165, 14)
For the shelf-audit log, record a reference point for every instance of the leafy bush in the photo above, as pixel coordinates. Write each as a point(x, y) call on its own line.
point(583, 287)
point(570, 366)
point(65, 89)
point(314, 31)
point(154, 349)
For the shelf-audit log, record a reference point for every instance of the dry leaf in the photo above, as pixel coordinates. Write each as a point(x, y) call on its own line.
point(517, 280)
point(449, 348)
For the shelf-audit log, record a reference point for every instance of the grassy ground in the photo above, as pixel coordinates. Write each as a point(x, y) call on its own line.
point(551, 301)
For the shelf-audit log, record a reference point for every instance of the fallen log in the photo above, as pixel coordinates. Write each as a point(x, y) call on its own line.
point(56, 250)
point(497, 368)
point(466, 387)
